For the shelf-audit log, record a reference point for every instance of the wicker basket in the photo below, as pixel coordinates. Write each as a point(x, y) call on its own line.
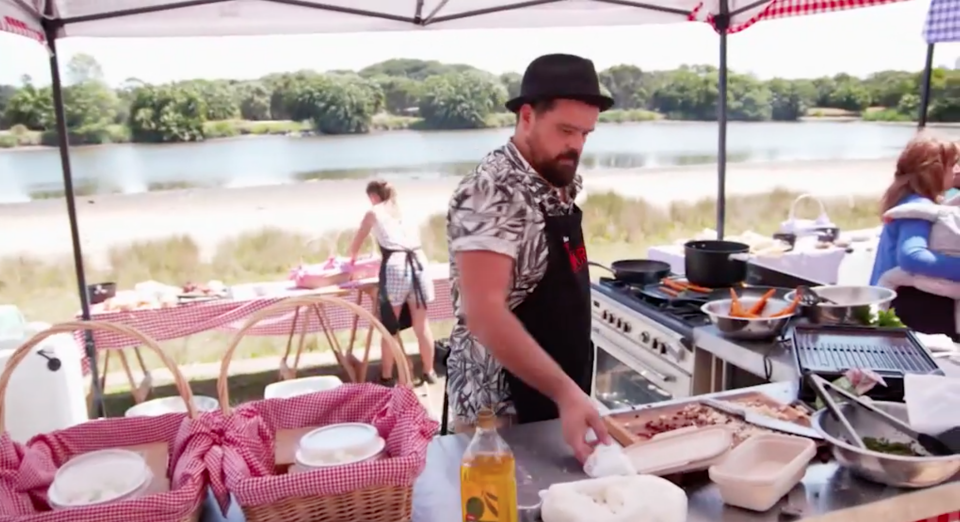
point(371, 504)
point(152, 441)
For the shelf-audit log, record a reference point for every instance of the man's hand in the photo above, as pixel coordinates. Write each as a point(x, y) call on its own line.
point(577, 415)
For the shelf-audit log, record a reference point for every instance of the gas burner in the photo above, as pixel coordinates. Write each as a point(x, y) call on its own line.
point(686, 313)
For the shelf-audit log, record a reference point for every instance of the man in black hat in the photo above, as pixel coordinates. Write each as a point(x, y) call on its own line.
point(521, 288)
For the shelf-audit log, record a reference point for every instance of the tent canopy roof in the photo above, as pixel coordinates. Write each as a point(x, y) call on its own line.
point(158, 18)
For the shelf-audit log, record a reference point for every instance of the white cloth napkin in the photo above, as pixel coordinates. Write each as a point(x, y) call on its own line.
point(608, 460)
point(937, 342)
point(635, 498)
point(932, 402)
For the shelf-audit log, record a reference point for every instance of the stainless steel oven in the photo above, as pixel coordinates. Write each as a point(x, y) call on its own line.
point(630, 376)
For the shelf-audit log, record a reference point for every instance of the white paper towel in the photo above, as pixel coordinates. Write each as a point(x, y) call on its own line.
point(932, 402)
point(615, 499)
point(608, 460)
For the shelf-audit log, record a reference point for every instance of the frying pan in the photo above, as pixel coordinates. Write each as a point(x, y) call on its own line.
point(655, 293)
point(637, 271)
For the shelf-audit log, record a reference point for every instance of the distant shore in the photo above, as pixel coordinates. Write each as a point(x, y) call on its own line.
point(40, 228)
point(237, 129)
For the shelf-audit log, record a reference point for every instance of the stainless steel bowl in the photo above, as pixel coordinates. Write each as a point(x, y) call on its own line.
point(855, 305)
point(883, 468)
point(759, 329)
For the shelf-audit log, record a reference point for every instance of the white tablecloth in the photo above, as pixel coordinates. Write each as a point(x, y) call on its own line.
point(816, 264)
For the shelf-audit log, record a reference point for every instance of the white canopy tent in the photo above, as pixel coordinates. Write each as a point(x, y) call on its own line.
point(48, 20)
point(159, 18)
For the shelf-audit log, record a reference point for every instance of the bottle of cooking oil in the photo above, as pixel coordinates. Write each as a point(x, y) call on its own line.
point(488, 477)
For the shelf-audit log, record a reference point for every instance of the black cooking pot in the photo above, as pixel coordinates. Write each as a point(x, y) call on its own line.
point(715, 264)
point(637, 271)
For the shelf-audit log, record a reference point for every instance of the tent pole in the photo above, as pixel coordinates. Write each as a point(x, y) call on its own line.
point(925, 88)
point(62, 140)
point(722, 23)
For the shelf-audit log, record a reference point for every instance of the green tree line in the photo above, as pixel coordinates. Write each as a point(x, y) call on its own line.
point(403, 92)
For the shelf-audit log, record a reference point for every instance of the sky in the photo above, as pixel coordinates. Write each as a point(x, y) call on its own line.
point(857, 42)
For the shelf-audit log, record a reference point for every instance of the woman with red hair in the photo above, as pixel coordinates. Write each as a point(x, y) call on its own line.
point(925, 170)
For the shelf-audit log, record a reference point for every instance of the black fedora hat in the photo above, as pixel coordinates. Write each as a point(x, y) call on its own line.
point(560, 76)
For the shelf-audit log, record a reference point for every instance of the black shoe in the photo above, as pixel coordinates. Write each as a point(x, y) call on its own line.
point(389, 382)
point(430, 378)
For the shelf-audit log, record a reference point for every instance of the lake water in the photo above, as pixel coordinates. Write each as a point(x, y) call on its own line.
point(129, 168)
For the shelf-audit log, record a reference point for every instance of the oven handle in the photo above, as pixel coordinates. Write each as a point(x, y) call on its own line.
point(662, 376)
point(647, 369)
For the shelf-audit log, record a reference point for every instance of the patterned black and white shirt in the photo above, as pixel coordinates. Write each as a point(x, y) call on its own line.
point(496, 208)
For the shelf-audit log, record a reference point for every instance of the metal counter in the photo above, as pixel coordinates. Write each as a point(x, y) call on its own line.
point(544, 459)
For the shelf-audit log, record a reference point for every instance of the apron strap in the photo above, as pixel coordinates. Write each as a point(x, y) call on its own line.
point(416, 268)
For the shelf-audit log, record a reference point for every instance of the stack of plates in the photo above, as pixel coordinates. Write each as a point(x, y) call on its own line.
point(166, 405)
point(338, 445)
point(100, 477)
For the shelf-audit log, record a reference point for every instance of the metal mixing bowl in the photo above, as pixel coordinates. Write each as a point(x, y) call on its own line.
point(759, 329)
point(855, 304)
point(883, 468)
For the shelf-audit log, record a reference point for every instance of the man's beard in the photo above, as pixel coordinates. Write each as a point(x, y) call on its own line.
point(557, 172)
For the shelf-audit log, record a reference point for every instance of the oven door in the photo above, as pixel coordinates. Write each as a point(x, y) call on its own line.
point(622, 380)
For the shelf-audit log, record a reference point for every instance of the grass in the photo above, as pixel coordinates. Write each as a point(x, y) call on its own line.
point(616, 227)
point(881, 114)
point(828, 113)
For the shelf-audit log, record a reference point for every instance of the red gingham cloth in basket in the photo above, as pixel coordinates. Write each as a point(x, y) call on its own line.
point(248, 445)
point(163, 324)
point(27, 470)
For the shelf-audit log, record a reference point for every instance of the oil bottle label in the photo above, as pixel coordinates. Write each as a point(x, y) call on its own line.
point(481, 503)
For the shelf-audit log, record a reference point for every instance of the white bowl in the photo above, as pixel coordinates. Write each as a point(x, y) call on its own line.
point(338, 445)
point(301, 386)
point(99, 477)
point(166, 405)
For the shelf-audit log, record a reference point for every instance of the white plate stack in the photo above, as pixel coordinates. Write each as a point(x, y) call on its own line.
point(339, 445)
point(100, 477)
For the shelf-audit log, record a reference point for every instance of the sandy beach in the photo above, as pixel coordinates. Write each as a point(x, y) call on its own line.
point(40, 228)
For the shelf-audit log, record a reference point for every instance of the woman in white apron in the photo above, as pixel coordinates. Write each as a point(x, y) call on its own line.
point(405, 289)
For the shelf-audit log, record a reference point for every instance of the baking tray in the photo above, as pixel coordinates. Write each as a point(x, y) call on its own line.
point(831, 350)
point(630, 427)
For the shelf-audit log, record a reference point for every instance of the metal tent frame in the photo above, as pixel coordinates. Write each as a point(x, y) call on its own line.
point(718, 12)
point(942, 25)
point(925, 87)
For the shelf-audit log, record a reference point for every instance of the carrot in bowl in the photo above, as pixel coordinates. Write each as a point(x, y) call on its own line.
point(791, 308)
point(735, 309)
point(757, 308)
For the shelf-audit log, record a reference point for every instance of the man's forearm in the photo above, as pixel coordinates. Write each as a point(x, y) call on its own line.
point(504, 336)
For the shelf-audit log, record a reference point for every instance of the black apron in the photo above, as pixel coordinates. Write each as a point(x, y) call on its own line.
point(924, 312)
point(393, 323)
point(557, 315)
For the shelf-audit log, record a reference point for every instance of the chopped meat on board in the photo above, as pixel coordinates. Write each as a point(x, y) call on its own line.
point(698, 415)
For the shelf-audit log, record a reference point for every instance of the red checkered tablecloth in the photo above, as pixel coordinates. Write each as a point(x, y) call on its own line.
point(163, 324)
point(776, 9)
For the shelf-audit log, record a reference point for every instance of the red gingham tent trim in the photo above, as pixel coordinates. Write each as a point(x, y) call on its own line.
point(9, 24)
point(789, 8)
